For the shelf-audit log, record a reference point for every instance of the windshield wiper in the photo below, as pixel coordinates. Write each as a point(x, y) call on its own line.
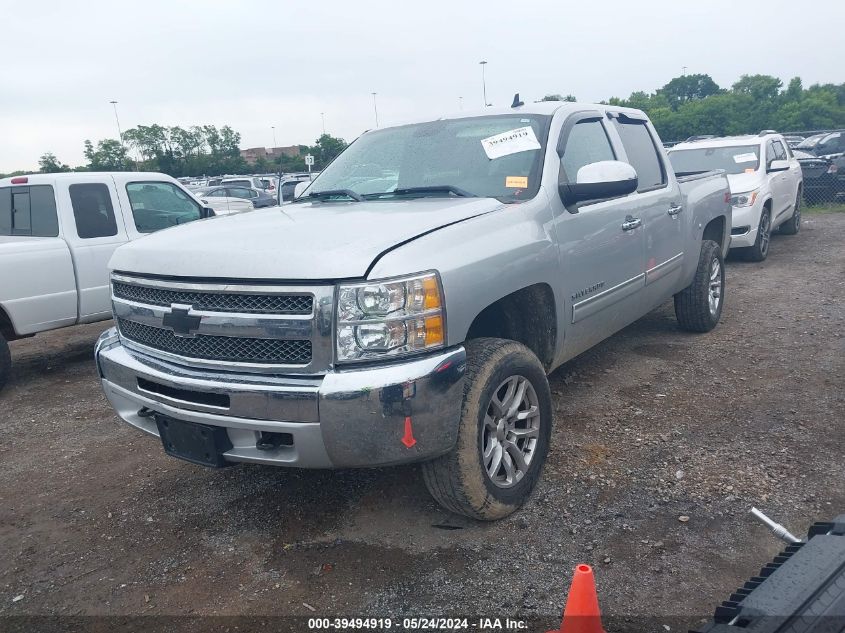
point(333, 193)
point(410, 191)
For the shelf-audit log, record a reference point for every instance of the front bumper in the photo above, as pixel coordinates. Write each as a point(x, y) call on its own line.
point(745, 224)
point(346, 418)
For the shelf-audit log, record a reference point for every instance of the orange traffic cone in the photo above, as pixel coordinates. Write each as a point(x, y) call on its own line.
point(581, 614)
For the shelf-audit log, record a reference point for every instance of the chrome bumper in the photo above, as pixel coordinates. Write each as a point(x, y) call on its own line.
point(346, 418)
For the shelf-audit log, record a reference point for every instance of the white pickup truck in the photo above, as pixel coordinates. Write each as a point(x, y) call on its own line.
point(57, 234)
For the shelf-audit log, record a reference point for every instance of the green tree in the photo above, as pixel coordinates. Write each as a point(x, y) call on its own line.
point(325, 150)
point(110, 155)
point(49, 164)
point(686, 88)
point(762, 88)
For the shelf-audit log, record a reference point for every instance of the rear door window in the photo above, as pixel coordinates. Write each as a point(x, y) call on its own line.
point(780, 152)
point(29, 211)
point(642, 153)
point(92, 210)
point(159, 205)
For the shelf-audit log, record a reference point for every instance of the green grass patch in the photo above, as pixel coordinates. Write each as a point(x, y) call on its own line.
point(833, 207)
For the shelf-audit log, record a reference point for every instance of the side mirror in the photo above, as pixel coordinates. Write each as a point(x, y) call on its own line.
point(778, 165)
point(600, 181)
point(207, 212)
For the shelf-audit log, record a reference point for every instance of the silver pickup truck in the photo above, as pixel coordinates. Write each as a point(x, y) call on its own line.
point(408, 307)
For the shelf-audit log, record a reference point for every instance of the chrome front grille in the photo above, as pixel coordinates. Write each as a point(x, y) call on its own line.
point(216, 302)
point(222, 348)
point(227, 326)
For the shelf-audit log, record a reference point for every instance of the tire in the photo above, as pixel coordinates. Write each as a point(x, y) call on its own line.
point(760, 250)
point(793, 224)
point(698, 307)
point(460, 480)
point(5, 361)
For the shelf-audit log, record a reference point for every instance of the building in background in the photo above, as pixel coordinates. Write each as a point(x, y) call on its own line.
point(252, 154)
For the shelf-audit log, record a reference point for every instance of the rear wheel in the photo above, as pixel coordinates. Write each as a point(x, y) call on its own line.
point(503, 437)
point(5, 361)
point(793, 224)
point(698, 307)
point(760, 250)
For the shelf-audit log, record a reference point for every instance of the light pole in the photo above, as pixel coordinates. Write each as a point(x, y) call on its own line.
point(484, 82)
point(684, 69)
point(273, 127)
point(461, 103)
point(375, 108)
point(119, 133)
point(323, 119)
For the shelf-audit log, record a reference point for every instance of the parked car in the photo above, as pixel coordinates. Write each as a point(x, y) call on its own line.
point(287, 186)
point(219, 199)
point(810, 142)
point(827, 144)
point(793, 139)
point(765, 181)
point(419, 312)
point(214, 182)
point(57, 233)
point(258, 197)
point(252, 182)
point(824, 176)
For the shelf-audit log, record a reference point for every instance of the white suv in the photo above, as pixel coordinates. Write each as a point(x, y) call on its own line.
point(765, 180)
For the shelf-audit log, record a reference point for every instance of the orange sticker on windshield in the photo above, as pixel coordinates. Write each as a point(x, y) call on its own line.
point(516, 182)
point(749, 170)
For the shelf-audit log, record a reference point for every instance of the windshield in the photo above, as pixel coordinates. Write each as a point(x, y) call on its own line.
point(811, 142)
point(488, 156)
point(734, 159)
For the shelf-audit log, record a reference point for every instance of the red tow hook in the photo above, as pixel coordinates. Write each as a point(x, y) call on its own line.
point(408, 392)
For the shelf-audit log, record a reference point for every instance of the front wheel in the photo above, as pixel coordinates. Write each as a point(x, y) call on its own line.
point(760, 250)
point(503, 435)
point(5, 361)
point(698, 307)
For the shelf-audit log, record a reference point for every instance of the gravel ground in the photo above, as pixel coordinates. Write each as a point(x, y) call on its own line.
point(663, 442)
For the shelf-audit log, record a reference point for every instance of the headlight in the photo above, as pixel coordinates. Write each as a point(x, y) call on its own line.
point(382, 319)
point(744, 199)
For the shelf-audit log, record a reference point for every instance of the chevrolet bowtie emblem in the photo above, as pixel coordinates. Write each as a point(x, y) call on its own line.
point(181, 322)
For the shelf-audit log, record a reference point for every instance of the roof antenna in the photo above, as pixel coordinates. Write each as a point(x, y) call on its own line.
point(516, 102)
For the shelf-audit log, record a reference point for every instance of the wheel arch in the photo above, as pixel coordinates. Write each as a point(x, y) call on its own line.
point(527, 315)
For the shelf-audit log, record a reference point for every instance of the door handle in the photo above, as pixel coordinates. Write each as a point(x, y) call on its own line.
point(675, 209)
point(631, 223)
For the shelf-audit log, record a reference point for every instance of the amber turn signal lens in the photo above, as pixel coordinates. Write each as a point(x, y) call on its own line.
point(432, 293)
point(433, 330)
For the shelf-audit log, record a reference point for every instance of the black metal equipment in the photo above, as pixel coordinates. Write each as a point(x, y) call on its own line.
point(801, 590)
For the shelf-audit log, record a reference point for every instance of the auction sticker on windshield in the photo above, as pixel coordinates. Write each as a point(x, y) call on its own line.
point(518, 182)
point(521, 139)
point(750, 157)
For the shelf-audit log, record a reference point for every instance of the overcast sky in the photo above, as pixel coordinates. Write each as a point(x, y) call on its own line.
point(253, 64)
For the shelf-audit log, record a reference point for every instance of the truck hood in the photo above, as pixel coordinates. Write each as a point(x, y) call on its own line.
point(741, 183)
point(308, 241)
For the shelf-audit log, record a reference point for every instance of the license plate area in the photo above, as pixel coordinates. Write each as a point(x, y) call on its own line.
point(196, 443)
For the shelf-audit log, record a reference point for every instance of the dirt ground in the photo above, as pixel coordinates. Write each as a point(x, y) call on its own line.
point(652, 425)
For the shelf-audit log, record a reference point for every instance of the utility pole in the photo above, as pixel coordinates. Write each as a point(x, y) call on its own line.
point(273, 127)
point(119, 133)
point(323, 118)
point(375, 108)
point(484, 82)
